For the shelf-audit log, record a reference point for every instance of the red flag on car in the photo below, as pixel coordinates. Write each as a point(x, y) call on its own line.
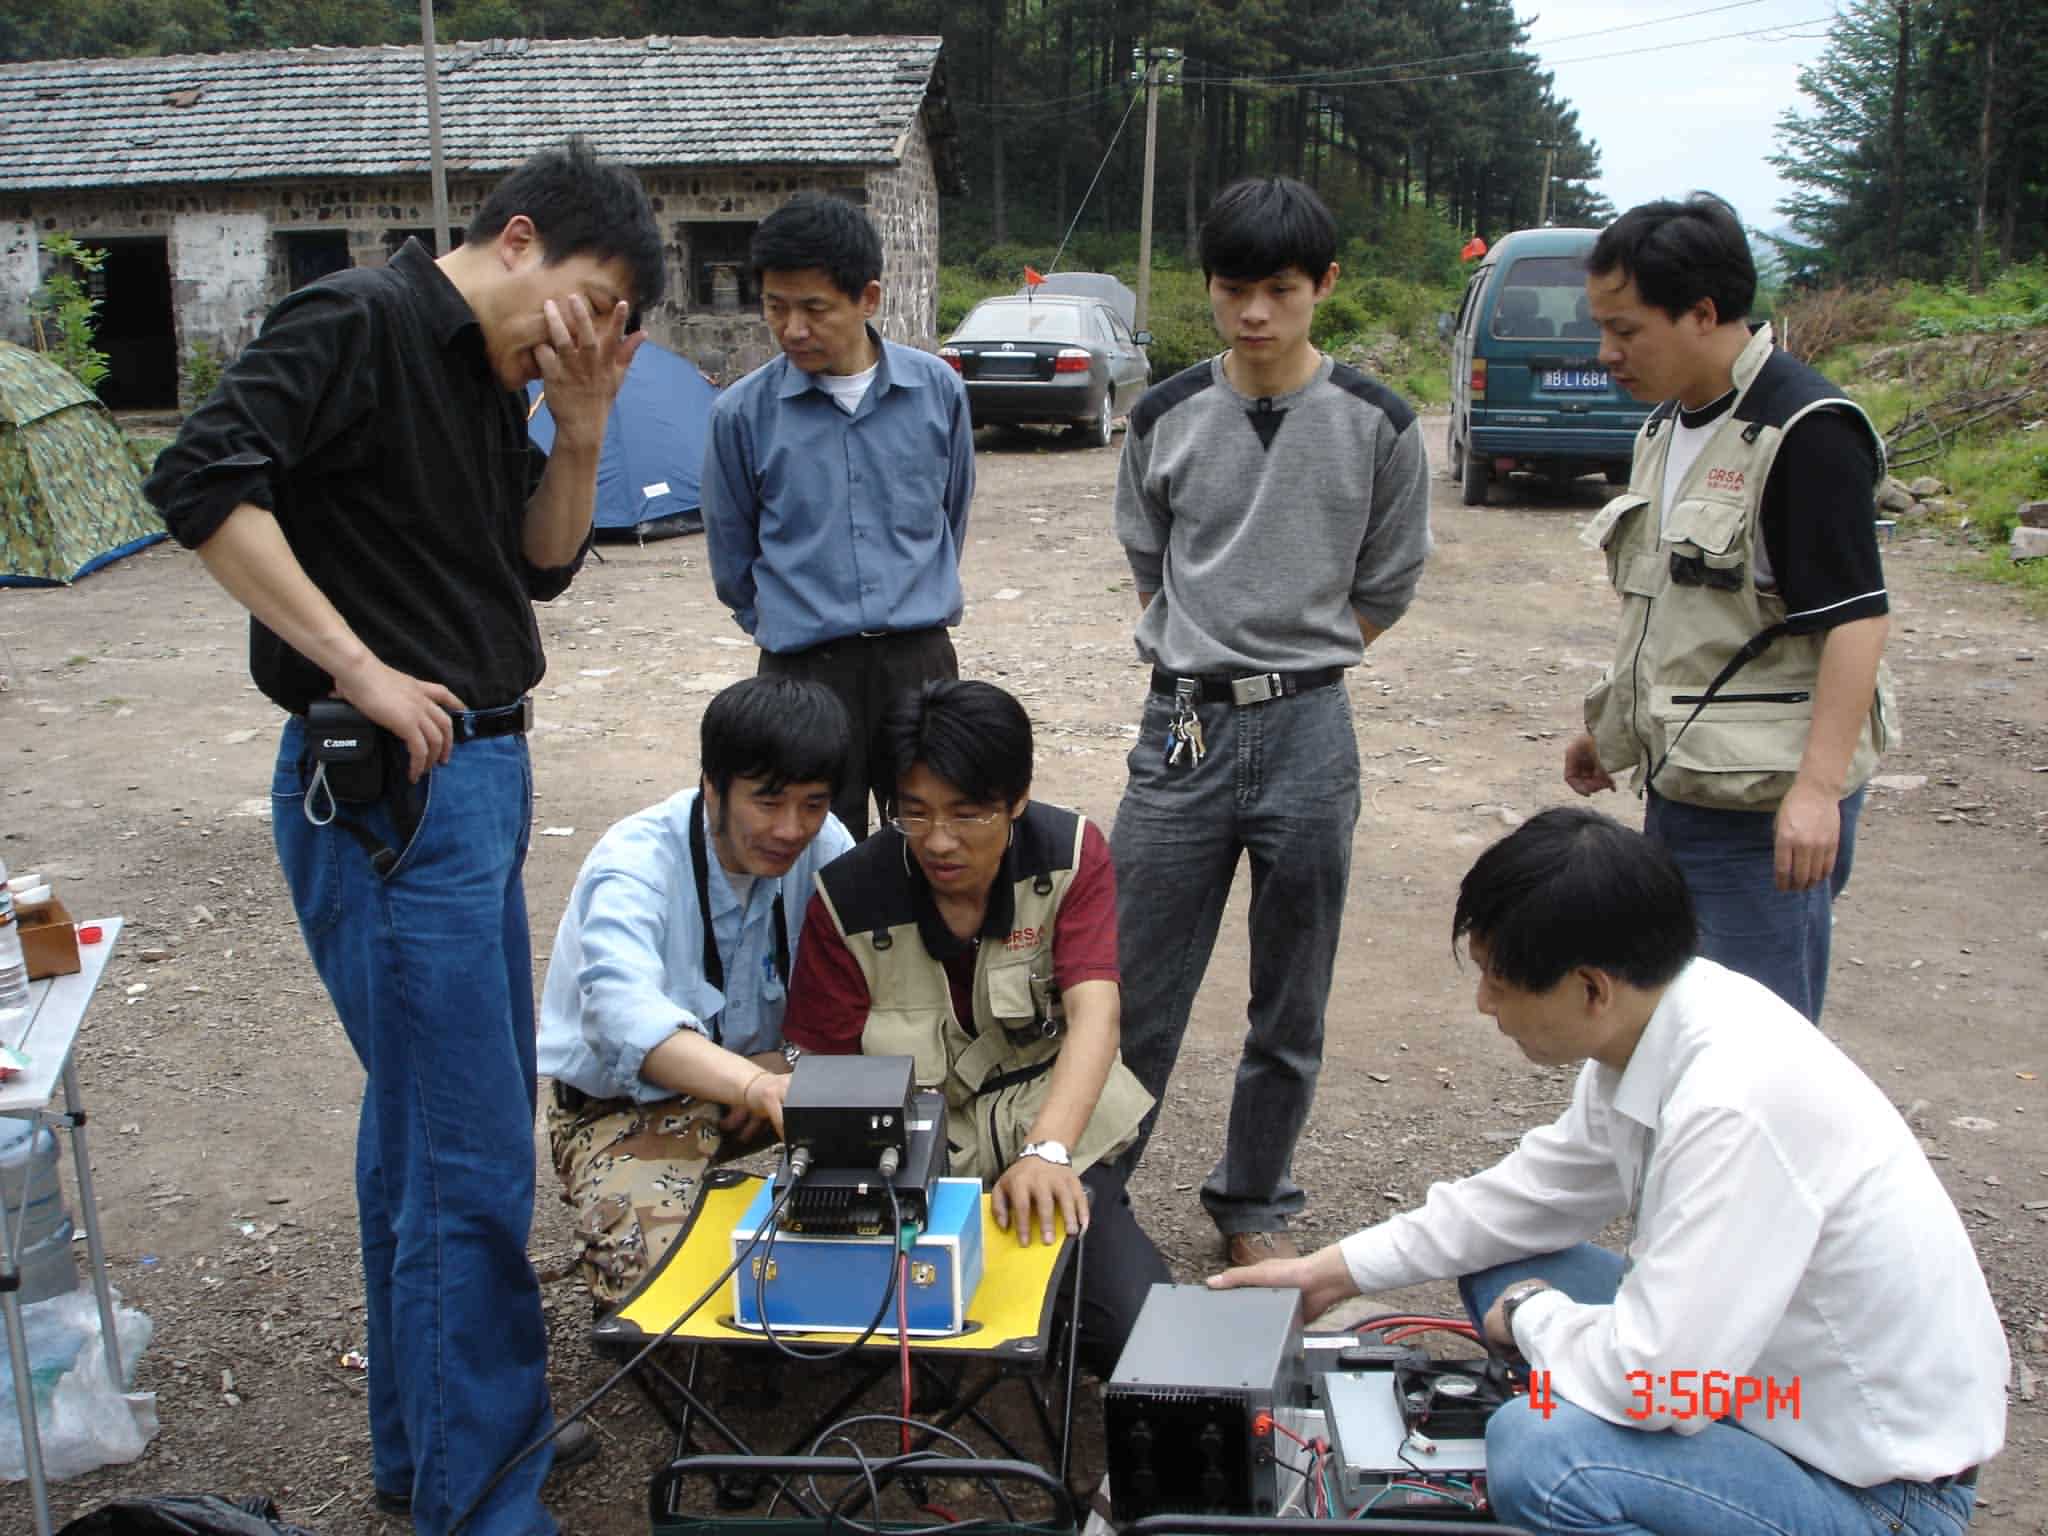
point(1474, 249)
point(1033, 277)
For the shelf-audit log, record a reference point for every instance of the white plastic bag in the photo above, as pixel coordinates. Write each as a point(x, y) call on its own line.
point(83, 1419)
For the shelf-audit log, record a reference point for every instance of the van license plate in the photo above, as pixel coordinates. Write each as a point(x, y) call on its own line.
point(1575, 378)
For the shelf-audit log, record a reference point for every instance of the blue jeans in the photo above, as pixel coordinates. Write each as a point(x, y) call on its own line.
point(1571, 1471)
point(1746, 923)
point(1280, 782)
point(431, 972)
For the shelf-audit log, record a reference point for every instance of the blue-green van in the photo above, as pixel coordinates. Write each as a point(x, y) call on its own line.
point(1527, 388)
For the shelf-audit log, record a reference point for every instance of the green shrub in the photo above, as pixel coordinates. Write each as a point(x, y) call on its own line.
point(201, 373)
point(65, 313)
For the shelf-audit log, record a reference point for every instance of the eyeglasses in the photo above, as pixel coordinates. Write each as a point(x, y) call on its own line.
point(959, 826)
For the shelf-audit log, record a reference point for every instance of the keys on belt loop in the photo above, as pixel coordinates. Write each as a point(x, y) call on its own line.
point(1184, 731)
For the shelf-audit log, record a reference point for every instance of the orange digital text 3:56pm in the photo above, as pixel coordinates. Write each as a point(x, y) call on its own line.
point(1691, 1395)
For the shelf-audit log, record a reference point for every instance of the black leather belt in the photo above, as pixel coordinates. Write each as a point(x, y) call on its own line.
point(1259, 688)
point(483, 724)
point(1967, 1478)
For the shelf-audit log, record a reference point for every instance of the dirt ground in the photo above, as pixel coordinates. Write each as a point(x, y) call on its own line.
point(137, 761)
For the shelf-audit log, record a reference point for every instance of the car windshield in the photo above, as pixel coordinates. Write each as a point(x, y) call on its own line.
point(1545, 297)
point(1022, 321)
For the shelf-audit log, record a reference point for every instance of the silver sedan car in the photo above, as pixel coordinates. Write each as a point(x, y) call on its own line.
point(1055, 358)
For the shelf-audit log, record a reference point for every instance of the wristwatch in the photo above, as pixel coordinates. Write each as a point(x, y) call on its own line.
point(1054, 1152)
point(1512, 1298)
point(790, 1053)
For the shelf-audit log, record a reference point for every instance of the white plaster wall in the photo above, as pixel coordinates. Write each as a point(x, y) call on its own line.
point(220, 279)
point(20, 275)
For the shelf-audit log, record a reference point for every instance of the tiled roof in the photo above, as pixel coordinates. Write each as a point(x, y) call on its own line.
point(329, 112)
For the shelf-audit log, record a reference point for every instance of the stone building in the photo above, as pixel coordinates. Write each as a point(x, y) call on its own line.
point(217, 183)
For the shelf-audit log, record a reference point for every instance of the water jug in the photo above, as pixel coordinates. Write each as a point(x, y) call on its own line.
point(28, 1178)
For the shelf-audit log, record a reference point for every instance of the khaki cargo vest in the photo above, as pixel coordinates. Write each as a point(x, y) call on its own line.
point(994, 1069)
point(1690, 602)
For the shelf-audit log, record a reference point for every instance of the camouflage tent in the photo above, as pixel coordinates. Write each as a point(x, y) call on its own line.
point(70, 494)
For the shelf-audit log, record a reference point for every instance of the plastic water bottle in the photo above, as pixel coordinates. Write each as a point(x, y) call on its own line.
point(13, 968)
point(31, 1195)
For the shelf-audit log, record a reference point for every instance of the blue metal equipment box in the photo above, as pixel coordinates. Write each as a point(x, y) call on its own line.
point(833, 1284)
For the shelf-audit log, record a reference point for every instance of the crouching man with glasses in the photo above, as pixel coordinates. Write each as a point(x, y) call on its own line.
point(976, 933)
point(1795, 1336)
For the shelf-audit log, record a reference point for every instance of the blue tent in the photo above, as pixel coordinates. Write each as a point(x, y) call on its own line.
point(653, 455)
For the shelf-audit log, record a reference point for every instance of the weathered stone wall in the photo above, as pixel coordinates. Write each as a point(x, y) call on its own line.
point(903, 200)
point(228, 266)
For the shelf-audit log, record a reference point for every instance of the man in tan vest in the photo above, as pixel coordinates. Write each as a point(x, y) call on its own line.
point(1748, 693)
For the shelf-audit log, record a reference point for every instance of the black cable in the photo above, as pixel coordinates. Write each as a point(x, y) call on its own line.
point(835, 1432)
point(645, 1350)
point(836, 1351)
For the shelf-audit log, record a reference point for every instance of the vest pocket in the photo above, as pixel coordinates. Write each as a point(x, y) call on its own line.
point(918, 1033)
point(1606, 531)
point(1741, 751)
point(1707, 529)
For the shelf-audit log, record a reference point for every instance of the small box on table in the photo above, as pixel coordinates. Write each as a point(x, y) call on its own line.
point(834, 1284)
point(49, 939)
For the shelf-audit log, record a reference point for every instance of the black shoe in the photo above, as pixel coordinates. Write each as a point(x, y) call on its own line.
point(574, 1446)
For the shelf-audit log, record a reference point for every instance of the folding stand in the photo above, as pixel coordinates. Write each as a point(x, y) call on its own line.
point(1009, 1330)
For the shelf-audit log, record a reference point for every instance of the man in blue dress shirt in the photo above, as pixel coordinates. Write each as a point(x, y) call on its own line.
point(660, 1027)
point(836, 485)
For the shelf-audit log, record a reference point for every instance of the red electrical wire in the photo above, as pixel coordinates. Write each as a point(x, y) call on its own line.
point(1462, 1330)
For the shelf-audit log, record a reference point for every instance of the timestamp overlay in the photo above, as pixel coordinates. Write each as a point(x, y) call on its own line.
point(1691, 1395)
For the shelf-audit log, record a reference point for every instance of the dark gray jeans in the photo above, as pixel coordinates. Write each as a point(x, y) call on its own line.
point(1280, 782)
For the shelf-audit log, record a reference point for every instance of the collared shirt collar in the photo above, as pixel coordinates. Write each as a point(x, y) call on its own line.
point(1640, 1092)
point(795, 381)
point(447, 311)
point(942, 943)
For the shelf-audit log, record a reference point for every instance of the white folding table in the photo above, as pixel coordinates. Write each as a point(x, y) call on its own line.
point(56, 1009)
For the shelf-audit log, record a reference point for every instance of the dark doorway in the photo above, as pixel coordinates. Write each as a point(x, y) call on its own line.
point(309, 255)
point(135, 326)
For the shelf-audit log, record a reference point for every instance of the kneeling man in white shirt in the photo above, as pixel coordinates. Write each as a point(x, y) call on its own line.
point(1796, 1335)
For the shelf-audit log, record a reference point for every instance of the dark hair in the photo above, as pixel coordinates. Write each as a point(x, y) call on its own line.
point(781, 730)
point(581, 205)
point(1262, 226)
point(973, 735)
point(1680, 253)
point(815, 229)
point(1570, 887)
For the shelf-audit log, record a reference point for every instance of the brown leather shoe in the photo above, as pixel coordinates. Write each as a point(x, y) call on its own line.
point(1242, 1248)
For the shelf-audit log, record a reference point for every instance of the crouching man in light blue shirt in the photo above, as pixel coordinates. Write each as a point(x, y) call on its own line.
point(661, 1018)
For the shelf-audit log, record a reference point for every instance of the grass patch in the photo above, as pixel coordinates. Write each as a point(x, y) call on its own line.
point(1993, 475)
point(2029, 576)
point(144, 451)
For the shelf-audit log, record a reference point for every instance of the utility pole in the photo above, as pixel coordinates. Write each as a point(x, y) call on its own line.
point(1155, 60)
point(1549, 148)
point(437, 173)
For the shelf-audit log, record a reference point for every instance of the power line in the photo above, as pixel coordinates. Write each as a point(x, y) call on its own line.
point(1785, 27)
point(1056, 255)
point(1478, 53)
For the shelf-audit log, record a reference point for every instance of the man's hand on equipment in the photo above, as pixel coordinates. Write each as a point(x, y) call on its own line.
point(1582, 770)
point(1809, 835)
point(582, 364)
point(410, 708)
point(1321, 1277)
point(760, 1104)
point(1033, 1190)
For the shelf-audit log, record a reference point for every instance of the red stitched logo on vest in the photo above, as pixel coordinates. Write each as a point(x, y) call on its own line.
point(1729, 480)
point(1022, 938)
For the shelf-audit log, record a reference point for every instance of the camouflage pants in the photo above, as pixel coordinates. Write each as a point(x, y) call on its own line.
point(631, 1173)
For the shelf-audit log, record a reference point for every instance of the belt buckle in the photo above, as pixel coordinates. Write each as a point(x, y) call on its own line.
point(1261, 689)
point(525, 712)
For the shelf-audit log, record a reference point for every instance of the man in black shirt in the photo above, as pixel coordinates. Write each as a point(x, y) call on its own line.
point(1748, 691)
point(362, 483)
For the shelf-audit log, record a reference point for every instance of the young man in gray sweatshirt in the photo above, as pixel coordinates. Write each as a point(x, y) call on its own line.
point(1274, 505)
